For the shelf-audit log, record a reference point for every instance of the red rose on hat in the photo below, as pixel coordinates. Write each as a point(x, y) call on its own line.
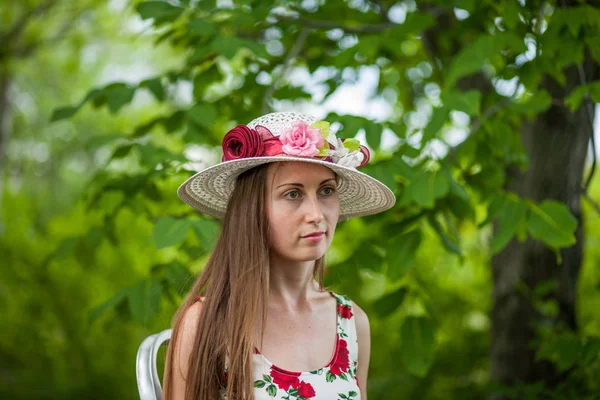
point(242, 142)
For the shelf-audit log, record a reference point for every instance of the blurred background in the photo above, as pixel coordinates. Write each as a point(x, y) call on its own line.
point(482, 282)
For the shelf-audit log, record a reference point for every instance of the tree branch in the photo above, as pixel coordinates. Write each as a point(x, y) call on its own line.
point(20, 25)
point(294, 51)
point(26, 51)
point(318, 24)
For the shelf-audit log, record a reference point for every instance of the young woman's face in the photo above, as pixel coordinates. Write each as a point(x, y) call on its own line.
point(302, 209)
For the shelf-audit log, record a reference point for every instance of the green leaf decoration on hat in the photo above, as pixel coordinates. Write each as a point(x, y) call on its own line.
point(323, 126)
point(324, 151)
point(352, 144)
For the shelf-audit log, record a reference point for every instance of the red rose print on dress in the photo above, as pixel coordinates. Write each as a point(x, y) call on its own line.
point(285, 379)
point(306, 390)
point(344, 311)
point(341, 362)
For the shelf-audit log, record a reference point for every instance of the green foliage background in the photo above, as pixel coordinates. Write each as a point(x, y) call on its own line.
point(96, 248)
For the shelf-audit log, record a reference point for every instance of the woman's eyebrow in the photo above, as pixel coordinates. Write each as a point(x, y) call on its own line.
point(301, 185)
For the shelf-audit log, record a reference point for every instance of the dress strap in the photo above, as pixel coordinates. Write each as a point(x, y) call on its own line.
point(347, 324)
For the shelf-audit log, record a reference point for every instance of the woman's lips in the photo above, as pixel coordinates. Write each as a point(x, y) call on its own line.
point(314, 237)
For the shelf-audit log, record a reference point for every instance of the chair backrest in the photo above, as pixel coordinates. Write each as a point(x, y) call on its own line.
point(147, 374)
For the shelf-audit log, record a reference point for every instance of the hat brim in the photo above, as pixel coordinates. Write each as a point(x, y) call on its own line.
point(208, 191)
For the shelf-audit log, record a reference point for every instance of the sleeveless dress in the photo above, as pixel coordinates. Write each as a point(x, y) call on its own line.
point(336, 380)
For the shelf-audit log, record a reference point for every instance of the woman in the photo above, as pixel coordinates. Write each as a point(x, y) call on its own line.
point(264, 327)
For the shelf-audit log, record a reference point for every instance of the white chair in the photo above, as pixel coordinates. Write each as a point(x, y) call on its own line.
point(146, 371)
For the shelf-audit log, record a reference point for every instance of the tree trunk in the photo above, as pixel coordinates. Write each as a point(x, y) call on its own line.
point(557, 144)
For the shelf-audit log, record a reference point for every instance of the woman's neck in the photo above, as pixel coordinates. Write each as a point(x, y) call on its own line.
point(291, 284)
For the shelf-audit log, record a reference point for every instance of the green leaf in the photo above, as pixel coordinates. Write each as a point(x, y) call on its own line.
point(201, 26)
point(389, 303)
point(113, 302)
point(472, 58)
point(535, 104)
point(324, 127)
point(228, 46)
point(448, 243)
point(494, 207)
point(159, 10)
point(207, 232)
point(169, 232)
point(469, 59)
point(63, 113)
point(418, 345)
point(436, 123)
point(144, 300)
point(329, 377)
point(467, 5)
point(66, 247)
point(179, 277)
point(576, 97)
point(400, 253)
point(373, 133)
point(352, 144)
point(427, 187)
point(511, 215)
point(93, 238)
point(203, 114)
point(155, 86)
point(259, 384)
point(272, 390)
point(117, 95)
point(552, 223)
point(510, 14)
point(121, 151)
point(468, 102)
point(415, 23)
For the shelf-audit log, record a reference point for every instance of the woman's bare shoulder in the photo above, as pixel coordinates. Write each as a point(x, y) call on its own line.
point(184, 342)
point(362, 321)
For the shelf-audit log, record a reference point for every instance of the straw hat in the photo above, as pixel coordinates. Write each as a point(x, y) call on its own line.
point(288, 136)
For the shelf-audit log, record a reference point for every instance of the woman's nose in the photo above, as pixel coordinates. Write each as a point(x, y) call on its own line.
point(313, 212)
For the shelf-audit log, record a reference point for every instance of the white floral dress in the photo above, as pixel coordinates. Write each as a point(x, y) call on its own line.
point(336, 380)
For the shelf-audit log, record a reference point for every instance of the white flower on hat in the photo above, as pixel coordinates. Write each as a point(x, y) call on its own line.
point(352, 160)
point(342, 155)
point(339, 152)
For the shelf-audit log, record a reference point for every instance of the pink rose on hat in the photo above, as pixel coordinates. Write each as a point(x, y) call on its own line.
point(301, 140)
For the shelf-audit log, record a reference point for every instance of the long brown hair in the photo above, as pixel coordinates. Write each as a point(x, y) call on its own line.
point(235, 283)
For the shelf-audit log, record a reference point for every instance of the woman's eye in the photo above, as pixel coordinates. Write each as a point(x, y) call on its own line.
point(292, 195)
point(328, 191)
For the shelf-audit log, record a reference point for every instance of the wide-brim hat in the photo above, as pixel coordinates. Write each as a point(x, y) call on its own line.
point(208, 191)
